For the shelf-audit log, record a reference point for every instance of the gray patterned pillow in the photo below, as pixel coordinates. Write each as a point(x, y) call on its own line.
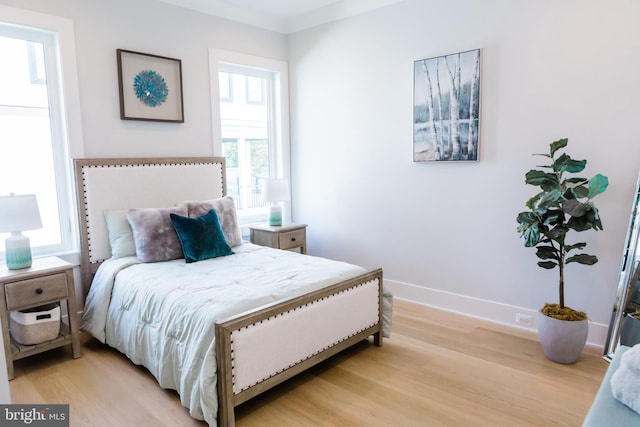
point(153, 233)
point(226, 210)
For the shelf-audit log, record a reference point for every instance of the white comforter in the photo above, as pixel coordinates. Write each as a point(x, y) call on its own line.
point(162, 315)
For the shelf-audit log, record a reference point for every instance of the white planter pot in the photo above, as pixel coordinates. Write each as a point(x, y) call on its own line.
point(562, 340)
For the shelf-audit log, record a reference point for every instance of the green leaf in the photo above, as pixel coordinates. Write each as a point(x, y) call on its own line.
point(543, 166)
point(594, 216)
point(590, 220)
point(547, 264)
point(565, 163)
point(557, 233)
point(598, 184)
point(552, 217)
point(541, 179)
point(582, 259)
point(550, 199)
point(556, 145)
point(531, 236)
point(531, 203)
point(575, 208)
point(547, 252)
point(527, 218)
point(576, 180)
point(580, 245)
point(528, 227)
point(578, 192)
point(582, 223)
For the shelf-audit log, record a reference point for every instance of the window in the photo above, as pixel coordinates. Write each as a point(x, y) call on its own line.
point(226, 88)
point(34, 148)
point(250, 127)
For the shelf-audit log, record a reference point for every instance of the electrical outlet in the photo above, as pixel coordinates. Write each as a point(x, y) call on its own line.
point(523, 319)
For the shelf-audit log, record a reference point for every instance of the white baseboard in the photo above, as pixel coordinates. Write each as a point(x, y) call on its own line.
point(481, 308)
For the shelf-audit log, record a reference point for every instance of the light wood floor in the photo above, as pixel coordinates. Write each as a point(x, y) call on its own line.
point(437, 369)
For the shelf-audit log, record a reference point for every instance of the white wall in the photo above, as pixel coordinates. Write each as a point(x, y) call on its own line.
point(445, 233)
point(153, 27)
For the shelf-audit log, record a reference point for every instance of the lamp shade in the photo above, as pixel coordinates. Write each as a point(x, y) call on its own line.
point(277, 190)
point(19, 213)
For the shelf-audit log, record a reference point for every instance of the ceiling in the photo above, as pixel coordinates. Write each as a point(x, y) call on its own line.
point(282, 8)
point(284, 16)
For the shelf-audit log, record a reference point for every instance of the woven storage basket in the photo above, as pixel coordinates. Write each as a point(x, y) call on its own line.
point(35, 325)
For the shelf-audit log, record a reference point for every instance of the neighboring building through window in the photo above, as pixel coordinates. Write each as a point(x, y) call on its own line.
point(34, 149)
point(251, 109)
point(255, 89)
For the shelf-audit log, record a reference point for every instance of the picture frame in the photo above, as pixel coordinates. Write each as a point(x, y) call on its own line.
point(150, 87)
point(446, 107)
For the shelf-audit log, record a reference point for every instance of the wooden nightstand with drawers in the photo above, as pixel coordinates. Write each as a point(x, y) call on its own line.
point(48, 280)
point(287, 236)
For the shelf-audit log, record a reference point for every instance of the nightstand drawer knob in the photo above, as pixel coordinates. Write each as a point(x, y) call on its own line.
point(39, 291)
point(293, 239)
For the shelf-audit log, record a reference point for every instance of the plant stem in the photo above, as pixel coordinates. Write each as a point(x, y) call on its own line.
point(562, 189)
point(560, 269)
point(561, 284)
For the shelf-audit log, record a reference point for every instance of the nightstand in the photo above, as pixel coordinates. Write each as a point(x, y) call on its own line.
point(48, 280)
point(287, 236)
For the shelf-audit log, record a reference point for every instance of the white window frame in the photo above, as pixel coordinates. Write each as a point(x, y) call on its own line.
point(279, 152)
point(65, 117)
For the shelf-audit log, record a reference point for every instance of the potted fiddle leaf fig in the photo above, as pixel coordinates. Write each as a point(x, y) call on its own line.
point(563, 207)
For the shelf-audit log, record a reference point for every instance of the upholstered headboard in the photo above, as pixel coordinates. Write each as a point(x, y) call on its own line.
point(124, 183)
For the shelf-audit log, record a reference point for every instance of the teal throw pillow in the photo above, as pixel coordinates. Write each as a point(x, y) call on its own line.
point(202, 237)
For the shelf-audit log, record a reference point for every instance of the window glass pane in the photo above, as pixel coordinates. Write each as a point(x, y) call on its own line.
point(255, 90)
point(259, 164)
point(16, 87)
point(226, 93)
point(246, 139)
point(36, 63)
point(259, 158)
point(230, 153)
point(26, 146)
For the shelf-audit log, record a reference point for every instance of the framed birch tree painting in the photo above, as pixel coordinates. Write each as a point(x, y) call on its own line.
point(446, 107)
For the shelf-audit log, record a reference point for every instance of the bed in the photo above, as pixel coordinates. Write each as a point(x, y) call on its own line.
point(219, 325)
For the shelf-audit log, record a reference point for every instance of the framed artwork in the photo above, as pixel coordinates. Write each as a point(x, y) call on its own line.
point(150, 87)
point(446, 107)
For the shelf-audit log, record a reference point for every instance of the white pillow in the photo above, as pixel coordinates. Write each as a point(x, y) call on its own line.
point(120, 234)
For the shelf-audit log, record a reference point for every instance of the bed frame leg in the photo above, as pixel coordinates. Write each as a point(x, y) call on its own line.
point(377, 339)
point(226, 404)
point(226, 413)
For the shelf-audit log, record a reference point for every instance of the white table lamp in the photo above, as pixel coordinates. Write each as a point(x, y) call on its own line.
point(276, 191)
point(18, 213)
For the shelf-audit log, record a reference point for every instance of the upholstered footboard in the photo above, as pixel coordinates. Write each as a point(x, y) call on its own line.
point(292, 336)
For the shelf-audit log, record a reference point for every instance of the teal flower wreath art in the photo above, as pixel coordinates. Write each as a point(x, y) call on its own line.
point(150, 88)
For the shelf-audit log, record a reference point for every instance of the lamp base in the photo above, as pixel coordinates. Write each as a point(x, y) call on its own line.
point(275, 214)
point(18, 251)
